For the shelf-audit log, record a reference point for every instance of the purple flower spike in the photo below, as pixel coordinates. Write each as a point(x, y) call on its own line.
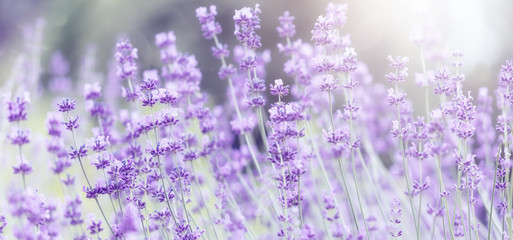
point(17, 109)
point(286, 28)
point(94, 227)
point(126, 55)
point(323, 33)
point(98, 144)
point(78, 153)
point(19, 137)
point(349, 61)
point(66, 105)
point(401, 71)
point(246, 22)
point(3, 223)
point(329, 83)
point(209, 26)
point(22, 168)
point(92, 91)
point(506, 74)
point(165, 39)
point(71, 124)
point(278, 89)
point(151, 80)
point(338, 12)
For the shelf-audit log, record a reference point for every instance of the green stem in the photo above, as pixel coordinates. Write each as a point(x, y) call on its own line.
point(203, 200)
point(183, 201)
point(420, 202)
point(406, 170)
point(341, 166)
point(87, 180)
point(110, 197)
point(491, 202)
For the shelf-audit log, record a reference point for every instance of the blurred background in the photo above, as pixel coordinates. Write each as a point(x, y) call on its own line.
point(479, 29)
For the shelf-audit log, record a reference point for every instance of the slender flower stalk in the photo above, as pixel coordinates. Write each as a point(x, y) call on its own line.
point(397, 98)
point(17, 112)
point(349, 62)
point(66, 105)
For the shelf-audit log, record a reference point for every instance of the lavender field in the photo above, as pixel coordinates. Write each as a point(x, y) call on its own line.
point(266, 134)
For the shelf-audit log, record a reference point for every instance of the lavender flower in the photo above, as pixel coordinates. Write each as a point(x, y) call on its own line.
point(246, 22)
point(17, 108)
point(286, 28)
point(209, 26)
point(3, 223)
point(66, 105)
point(189, 166)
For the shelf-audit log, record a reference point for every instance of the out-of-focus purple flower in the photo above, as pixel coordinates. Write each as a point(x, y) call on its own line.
point(209, 26)
point(437, 212)
point(3, 223)
point(418, 188)
point(166, 42)
point(395, 214)
point(167, 96)
point(401, 71)
point(325, 63)
point(329, 83)
point(60, 165)
point(97, 109)
point(190, 154)
point(92, 91)
point(286, 28)
point(396, 132)
point(240, 126)
point(94, 226)
point(24, 168)
point(278, 89)
point(17, 108)
point(19, 137)
point(334, 137)
point(54, 124)
point(125, 56)
point(59, 68)
point(151, 80)
point(465, 109)
point(506, 73)
point(220, 51)
point(338, 12)
point(204, 16)
point(185, 232)
point(165, 39)
point(246, 22)
point(226, 72)
point(323, 33)
point(173, 146)
point(247, 64)
point(442, 83)
point(168, 117)
point(73, 212)
point(69, 180)
point(98, 144)
point(422, 31)
point(349, 61)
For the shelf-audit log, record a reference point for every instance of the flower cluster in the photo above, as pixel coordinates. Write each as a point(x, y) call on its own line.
point(326, 150)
